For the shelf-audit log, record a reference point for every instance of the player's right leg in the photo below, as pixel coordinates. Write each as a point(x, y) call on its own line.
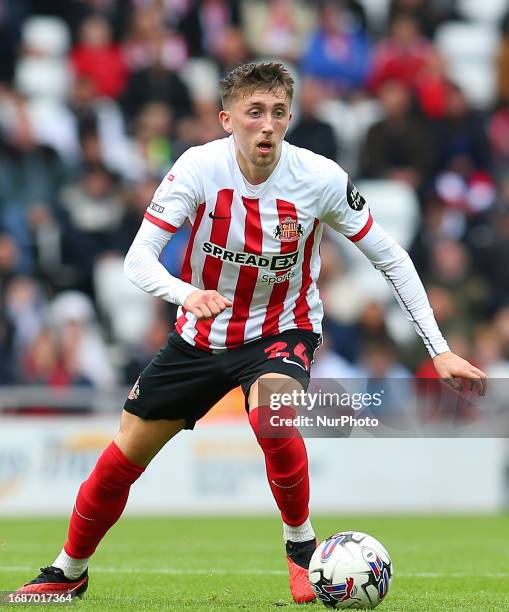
point(176, 389)
point(101, 500)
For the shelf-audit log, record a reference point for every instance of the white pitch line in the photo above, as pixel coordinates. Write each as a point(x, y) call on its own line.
point(174, 571)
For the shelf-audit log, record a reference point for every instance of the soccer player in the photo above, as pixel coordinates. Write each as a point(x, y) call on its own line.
point(249, 308)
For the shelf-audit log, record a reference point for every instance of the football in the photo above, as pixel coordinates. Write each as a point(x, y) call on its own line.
point(350, 570)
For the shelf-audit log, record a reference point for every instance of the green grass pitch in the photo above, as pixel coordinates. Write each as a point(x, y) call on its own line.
point(441, 563)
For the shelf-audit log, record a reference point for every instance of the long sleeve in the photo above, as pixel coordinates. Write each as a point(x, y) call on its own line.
point(399, 272)
point(143, 269)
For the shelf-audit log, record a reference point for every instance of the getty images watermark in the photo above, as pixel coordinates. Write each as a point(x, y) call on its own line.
point(317, 405)
point(393, 408)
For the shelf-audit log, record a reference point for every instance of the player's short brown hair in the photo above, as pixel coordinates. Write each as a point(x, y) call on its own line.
point(248, 78)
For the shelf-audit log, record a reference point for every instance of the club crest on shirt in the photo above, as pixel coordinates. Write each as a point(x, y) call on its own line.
point(288, 231)
point(354, 198)
point(134, 393)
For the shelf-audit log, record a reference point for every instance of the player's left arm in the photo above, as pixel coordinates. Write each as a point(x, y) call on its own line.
point(344, 209)
point(395, 264)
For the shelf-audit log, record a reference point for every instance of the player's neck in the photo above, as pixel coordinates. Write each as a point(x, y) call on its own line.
point(255, 174)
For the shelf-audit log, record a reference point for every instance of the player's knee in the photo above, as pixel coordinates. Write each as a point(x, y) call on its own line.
point(269, 385)
point(140, 440)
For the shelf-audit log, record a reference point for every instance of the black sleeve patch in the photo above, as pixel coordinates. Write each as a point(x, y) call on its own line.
point(354, 198)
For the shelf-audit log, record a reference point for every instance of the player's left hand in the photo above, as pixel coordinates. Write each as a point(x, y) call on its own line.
point(453, 369)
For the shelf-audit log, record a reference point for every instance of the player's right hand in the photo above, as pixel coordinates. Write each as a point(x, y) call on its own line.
point(206, 304)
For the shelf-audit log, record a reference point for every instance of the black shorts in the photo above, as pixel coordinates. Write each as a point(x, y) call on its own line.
point(183, 382)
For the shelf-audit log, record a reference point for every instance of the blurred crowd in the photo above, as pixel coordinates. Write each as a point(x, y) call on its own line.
point(99, 97)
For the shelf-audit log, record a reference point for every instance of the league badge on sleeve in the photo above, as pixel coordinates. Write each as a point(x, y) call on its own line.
point(354, 198)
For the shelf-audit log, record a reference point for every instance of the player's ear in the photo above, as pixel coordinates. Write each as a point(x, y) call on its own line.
point(224, 118)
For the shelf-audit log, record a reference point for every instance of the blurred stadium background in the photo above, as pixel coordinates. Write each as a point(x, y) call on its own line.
point(99, 97)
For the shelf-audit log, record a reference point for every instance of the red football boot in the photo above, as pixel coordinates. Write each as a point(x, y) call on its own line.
point(52, 580)
point(298, 556)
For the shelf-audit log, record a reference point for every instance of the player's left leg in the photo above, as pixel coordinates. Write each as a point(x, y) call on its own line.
point(287, 472)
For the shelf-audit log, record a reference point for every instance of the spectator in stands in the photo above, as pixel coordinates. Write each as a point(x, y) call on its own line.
point(431, 86)
point(155, 337)
point(231, 50)
point(495, 255)
point(402, 55)
point(338, 53)
point(501, 325)
point(436, 224)
point(488, 348)
point(116, 12)
point(73, 322)
point(203, 23)
point(24, 307)
point(309, 131)
point(11, 18)
point(45, 364)
point(157, 83)
point(30, 177)
point(386, 375)
point(372, 324)
point(498, 131)
point(151, 147)
point(7, 365)
point(99, 128)
point(9, 261)
point(199, 128)
point(278, 28)
point(503, 64)
point(460, 137)
point(149, 41)
point(451, 268)
point(134, 206)
point(398, 146)
point(328, 364)
point(96, 56)
point(428, 14)
point(93, 211)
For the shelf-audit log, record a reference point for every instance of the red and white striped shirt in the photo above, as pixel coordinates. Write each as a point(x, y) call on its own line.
point(257, 245)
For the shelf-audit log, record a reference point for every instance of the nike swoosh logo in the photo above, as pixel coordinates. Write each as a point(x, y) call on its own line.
point(286, 360)
point(292, 486)
point(213, 216)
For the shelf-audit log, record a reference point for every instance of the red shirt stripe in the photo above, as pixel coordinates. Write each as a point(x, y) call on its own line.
point(359, 235)
point(187, 273)
point(248, 275)
point(160, 223)
point(212, 266)
point(275, 306)
point(301, 310)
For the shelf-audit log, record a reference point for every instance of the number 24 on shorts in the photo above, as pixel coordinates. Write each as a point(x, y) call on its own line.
point(277, 349)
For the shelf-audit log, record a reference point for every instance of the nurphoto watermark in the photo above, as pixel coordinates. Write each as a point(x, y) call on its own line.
point(394, 408)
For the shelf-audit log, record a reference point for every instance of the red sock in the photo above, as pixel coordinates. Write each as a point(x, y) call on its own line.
point(286, 462)
point(100, 502)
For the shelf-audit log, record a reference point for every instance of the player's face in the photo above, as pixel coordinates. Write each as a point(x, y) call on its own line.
point(258, 122)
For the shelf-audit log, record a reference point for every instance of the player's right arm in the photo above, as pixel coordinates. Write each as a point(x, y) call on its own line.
point(176, 199)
